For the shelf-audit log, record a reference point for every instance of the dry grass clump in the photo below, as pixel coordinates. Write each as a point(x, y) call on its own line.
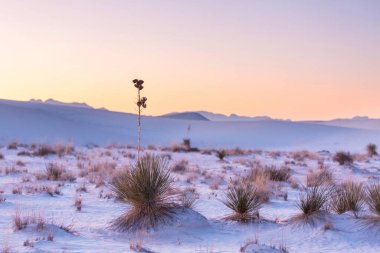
point(260, 178)
point(372, 150)
point(313, 203)
point(24, 153)
point(148, 188)
point(236, 152)
point(343, 158)
point(55, 172)
point(13, 145)
point(373, 198)
point(189, 197)
point(221, 154)
point(301, 156)
point(269, 172)
point(373, 202)
point(59, 149)
point(21, 222)
point(180, 166)
point(280, 175)
point(349, 196)
point(243, 199)
point(321, 176)
point(78, 204)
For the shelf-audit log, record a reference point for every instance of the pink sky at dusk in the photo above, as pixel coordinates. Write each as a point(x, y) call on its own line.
point(286, 59)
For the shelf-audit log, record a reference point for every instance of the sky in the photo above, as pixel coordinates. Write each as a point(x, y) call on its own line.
point(300, 60)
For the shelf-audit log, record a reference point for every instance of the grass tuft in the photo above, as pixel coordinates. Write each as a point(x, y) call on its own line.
point(147, 187)
point(244, 201)
point(348, 196)
point(313, 203)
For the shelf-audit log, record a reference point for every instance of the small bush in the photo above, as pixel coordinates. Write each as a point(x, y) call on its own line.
point(244, 201)
point(348, 196)
point(371, 149)
point(343, 158)
point(280, 175)
point(1, 156)
point(78, 204)
point(148, 188)
point(180, 166)
point(19, 222)
point(319, 177)
point(189, 197)
point(45, 150)
point(13, 145)
point(260, 178)
point(313, 202)
point(55, 172)
point(221, 154)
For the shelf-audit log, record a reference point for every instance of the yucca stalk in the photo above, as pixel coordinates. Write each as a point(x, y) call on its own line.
point(141, 103)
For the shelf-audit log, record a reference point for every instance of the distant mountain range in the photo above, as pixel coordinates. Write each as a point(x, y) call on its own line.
point(204, 115)
point(51, 121)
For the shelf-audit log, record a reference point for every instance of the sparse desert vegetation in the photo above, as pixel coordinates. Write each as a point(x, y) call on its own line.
point(185, 192)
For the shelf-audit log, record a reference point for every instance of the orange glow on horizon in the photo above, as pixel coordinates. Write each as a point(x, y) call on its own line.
point(300, 62)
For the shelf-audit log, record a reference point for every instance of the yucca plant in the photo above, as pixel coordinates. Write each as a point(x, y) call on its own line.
point(244, 201)
point(148, 188)
point(313, 203)
point(348, 196)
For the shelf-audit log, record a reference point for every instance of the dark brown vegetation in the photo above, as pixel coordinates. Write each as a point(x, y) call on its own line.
point(343, 158)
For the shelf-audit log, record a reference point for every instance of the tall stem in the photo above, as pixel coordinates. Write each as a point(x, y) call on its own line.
point(139, 128)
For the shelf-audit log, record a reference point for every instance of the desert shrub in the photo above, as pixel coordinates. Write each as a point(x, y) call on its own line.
point(63, 149)
point(1, 156)
point(322, 176)
point(243, 199)
point(189, 197)
point(221, 154)
point(269, 172)
point(313, 202)
point(180, 166)
point(78, 204)
point(19, 222)
point(13, 145)
point(348, 196)
point(343, 158)
point(282, 174)
point(371, 149)
point(147, 187)
point(301, 156)
point(24, 153)
point(236, 152)
point(373, 198)
point(260, 178)
point(55, 172)
point(44, 150)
